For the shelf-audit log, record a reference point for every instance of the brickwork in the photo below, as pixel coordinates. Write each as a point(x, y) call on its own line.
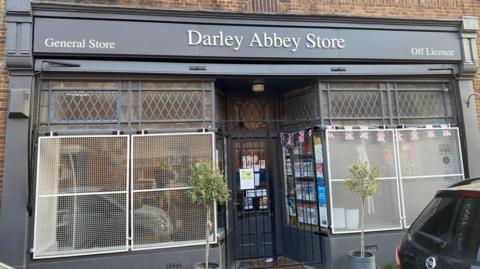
point(418, 9)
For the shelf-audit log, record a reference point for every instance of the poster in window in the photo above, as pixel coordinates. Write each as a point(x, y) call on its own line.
point(323, 216)
point(247, 180)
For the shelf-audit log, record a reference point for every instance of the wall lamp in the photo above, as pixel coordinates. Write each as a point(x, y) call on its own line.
point(258, 85)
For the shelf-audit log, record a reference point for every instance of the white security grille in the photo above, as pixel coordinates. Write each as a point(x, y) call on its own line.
point(162, 212)
point(378, 148)
point(414, 164)
point(430, 159)
point(82, 199)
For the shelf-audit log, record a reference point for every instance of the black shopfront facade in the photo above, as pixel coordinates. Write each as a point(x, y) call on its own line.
point(109, 108)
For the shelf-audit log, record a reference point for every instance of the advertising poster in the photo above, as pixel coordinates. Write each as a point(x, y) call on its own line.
point(247, 179)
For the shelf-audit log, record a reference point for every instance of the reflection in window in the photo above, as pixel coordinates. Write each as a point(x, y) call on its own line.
point(81, 206)
point(163, 214)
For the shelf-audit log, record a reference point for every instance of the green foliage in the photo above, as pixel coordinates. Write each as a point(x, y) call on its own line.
point(208, 184)
point(363, 180)
point(388, 266)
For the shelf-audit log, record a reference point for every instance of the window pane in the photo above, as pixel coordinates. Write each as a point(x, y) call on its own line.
point(425, 152)
point(172, 105)
point(355, 100)
point(84, 106)
point(383, 209)
point(163, 214)
point(466, 243)
point(434, 224)
point(82, 194)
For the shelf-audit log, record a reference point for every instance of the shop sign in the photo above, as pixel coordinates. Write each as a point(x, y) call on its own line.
point(160, 39)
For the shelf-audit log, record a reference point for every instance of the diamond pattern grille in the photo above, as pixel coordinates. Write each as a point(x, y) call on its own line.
point(358, 104)
point(84, 106)
point(300, 107)
point(172, 105)
point(421, 104)
point(403, 102)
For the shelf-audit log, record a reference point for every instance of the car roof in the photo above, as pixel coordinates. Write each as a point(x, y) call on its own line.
point(474, 186)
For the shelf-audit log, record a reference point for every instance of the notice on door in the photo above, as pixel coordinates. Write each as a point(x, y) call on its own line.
point(247, 179)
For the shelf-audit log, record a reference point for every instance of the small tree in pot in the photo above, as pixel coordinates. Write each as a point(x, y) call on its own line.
point(207, 186)
point(363, 182)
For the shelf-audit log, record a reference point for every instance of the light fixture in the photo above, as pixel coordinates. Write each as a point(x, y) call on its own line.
point(258, 85)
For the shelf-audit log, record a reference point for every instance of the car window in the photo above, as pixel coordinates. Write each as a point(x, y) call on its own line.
point(432, 229)
point(466, 240)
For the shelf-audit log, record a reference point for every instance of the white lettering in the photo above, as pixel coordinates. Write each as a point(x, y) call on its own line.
point(52, 43)
point(94, 44)
point(190, 37)
point(314, 41)
point(310, 41)
point(49, 42)
point(431, 52)
point(296, 43)
point(256, 40)
point(238, 42)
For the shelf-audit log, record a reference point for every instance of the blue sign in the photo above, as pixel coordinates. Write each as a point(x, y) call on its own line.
point(322, 195)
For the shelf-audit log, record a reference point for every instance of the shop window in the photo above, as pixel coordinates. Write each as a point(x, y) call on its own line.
point(414, 164)
point(424, 101)
point(300, 105)
point(383, 209)
point(430, 159)
point(87, 105)
point(81, 202)
point(84, 106)
point(386, 103)
point(163, 214)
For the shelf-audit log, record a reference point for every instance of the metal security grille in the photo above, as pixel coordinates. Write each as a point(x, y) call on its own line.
point(362, 104)
point(383, 209)
point(81, 199)
point(300, 105)
point(84, 106)
point(172, 105)
point(387, 103)
point(162, 212)
point(125, 105)
point(430, 159)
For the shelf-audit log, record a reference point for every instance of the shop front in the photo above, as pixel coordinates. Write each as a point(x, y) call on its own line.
point(119, 108)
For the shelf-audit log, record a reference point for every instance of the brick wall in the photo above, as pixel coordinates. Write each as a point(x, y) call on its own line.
point(421, 9)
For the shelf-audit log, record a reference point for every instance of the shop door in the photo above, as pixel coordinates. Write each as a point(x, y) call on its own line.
point(252, 194)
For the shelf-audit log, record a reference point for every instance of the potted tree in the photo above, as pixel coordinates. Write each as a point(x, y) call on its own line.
point(207, 186)
point(363, 182)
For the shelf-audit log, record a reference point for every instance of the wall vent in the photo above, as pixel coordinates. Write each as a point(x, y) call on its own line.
point(264, 6)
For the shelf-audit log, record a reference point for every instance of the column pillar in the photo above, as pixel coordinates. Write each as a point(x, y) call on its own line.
point(468, 69)
point(14, 216)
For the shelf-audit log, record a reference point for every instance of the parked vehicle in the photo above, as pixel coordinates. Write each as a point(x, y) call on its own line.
point(89, 221)
point(446, 235)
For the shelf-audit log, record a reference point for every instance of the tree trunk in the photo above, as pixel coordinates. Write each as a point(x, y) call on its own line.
point(362, 235)
point(207, 235)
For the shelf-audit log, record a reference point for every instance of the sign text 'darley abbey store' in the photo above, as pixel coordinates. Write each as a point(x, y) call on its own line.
point(96, 37)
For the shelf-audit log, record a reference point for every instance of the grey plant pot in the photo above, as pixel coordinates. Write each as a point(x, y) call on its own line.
point(368, 262)
point(201, 265)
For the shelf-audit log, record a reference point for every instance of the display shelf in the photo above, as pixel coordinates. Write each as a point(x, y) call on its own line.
point(300, 179)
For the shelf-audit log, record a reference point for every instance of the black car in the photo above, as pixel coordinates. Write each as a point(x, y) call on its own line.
point(446, 235)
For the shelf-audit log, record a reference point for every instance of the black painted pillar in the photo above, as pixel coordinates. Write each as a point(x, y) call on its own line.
point(14, 217)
